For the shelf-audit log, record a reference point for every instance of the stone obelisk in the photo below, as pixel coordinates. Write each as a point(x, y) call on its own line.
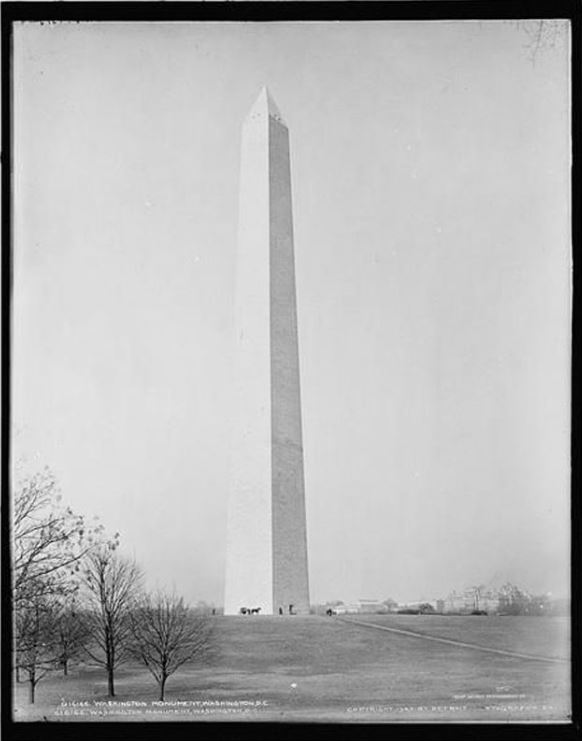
point(266, 562)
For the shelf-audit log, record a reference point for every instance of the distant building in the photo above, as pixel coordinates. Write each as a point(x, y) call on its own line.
point(361, 606)
point(471, 600)
point(344, 609)
point(417, 604)
point(489, 601)
point(371, 605)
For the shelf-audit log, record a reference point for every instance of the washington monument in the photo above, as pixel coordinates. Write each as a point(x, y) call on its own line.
point(266, 562)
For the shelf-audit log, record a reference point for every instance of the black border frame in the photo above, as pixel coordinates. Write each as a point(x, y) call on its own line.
point(348, 10)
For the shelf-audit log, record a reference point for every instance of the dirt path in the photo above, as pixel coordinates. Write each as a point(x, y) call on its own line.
point(452, 642)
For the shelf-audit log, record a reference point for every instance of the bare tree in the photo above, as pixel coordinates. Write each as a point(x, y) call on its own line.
point(48, 543)
point(72, 633)
point(513, 600)
point(36, 649)
point(49, 540)
point(112, 584)
point(166, 634)
point(477, 594)
point(391, 604)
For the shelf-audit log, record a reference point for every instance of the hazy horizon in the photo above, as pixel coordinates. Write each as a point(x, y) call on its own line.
point(431, 187)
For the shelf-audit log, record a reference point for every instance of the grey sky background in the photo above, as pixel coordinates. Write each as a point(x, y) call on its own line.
point(430, 166)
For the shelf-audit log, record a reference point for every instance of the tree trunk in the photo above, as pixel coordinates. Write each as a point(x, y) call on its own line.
point(110, 687)
point(65, 667)
point(32, 686)
point(162, 688)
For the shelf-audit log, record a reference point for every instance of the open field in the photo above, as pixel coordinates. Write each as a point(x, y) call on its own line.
point(329, 669)
point(549, 638)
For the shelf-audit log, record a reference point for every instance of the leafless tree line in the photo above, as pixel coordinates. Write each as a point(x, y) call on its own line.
point(75, 597)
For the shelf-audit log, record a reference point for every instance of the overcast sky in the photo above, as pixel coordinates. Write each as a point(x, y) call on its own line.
point(430, 166)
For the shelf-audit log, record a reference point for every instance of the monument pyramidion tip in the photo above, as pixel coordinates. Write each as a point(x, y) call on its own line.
point(264, 105)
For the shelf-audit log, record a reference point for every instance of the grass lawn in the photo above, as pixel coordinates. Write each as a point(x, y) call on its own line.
point(537, 636)
point(326, 669)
